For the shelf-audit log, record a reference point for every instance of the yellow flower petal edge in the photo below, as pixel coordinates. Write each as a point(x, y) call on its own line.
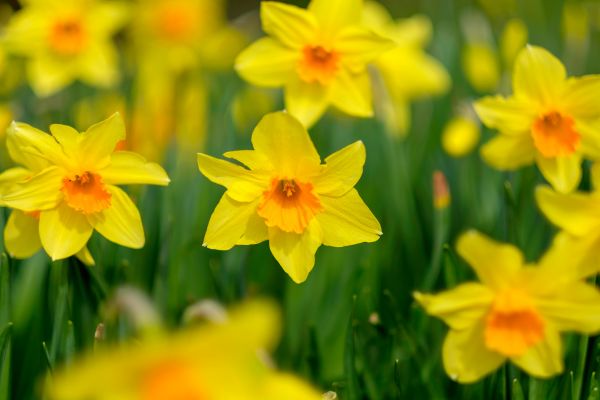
point(516, 313)
point(286, 196)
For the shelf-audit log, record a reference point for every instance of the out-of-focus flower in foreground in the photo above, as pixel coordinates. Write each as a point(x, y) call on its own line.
point(318, 55)
point(286, 196)
point(199, 363)
point(516, 313)
point(66, 40)
point(407, 71)
point(72, 189)
point(550, 119)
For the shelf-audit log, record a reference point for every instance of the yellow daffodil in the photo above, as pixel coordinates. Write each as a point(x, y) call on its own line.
point(73, 187)
point(209, 362)
point(407, 71)
point(286, 196)
point(481, 66)
point(514, 38)
point(550, 119)
point(318, 55)
point(65, 40)
point(516, 313)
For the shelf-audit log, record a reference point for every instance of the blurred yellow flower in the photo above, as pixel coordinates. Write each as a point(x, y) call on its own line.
point(72, 187)
point(319, 56)
point(516, 313)
point(208, 362)
point(514, 38)
point(65, 40)
point(460, 136)
point(550, 119)
point(407, 71)
point(481, 66)
point(286, 196)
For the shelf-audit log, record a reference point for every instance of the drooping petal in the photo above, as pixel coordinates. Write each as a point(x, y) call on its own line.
point(250, 158)
point(562, 172)
point(342, 170)
point(295, 252)
point(545, 358)
point(233, 222)
point(466, 359)
point(359, 46)
point(41, 192)
point(509, 115)
point(461, 307)
point(286, 143)
point(335, 14)
point(268, 63)
point(121, 222)
point(509, 152)
point(494, 263)
point(85, 257)
point(63, 231)
point(347, 220)
point(21, 235)
point(576, 213)
point(242, 184)
point(581, 97)
point(127, 168)
point(291, 25)
point(351, 93)
point(538, 75)
point(100, 140)
point(306, 101)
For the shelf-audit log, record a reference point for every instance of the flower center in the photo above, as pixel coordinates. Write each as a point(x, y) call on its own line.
point(175, 22)
point(513, 325)
point(173, 381)
point(86, 193)
point(554, 134)
point(289, 205)
point(68, 36)
point(318, 64)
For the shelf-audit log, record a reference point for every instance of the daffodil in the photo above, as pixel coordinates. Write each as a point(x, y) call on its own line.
point(72, 188)
point(286, 196)
point(407, 71)
point(515, 313)
point(319, 55)
point(550, 119)
point(208, 362)
point(66, 40)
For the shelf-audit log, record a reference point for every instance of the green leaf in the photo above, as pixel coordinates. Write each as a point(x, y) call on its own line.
point(5, 357)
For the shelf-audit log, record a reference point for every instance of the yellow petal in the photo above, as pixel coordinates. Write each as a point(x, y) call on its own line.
point(250, 158)
point(335, 14)
point(347, 220)
point(538, 75)
point(466, 359)
point(581, 97)
point(21, 235)
point(460, 308)
point(306, 101)
point(506, 152)
point(267, 62)
point(562, 172)
point(359, 46)
point(85, 257)
point(545, 358)
point(100, 140)
point(595, 172)
point(233, 221)
point(285, 386)
point(11, 176)
point(351, 93)
point(286, 143)
point(121, 222)
point(68, 138)
point(108, 17)
point(576, 213)
point(494, 263)
point(99, 65)
point(41, 192)
point(510, 115)
point(589, 131)
point(63, 231)
point(296, 252)
point(127, 168)
point(293, 26)
point(342, 170)
point(242, 185)
point(48, 75)
point(33, 148)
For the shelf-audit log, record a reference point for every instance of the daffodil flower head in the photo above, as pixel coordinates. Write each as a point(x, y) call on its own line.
point(73, 189)
point(515, 313)
point(286, 196)
point(66, 40)
point(319, 55)
point(550, 119)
